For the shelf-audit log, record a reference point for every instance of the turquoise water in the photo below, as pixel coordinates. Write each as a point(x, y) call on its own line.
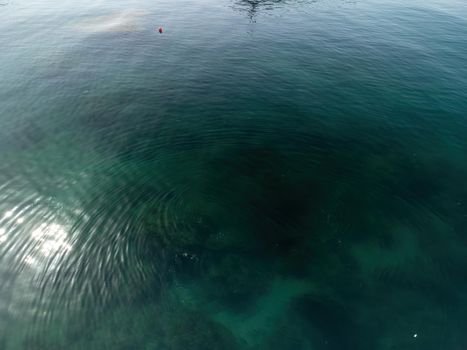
point(262, 175)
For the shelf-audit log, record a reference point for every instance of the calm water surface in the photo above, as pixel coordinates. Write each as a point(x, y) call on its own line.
point(263, 175)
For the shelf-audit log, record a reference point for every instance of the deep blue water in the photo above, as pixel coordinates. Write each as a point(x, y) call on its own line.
point(262, 175)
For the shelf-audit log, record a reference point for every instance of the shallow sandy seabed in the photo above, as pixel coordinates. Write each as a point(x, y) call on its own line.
point(122, 21)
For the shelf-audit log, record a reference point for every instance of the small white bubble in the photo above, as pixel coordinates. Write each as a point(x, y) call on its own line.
point(415, 335)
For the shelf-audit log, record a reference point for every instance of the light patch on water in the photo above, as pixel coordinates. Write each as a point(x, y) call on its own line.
point(123, 21)
point(51, 239)
point(37, 246)
point(50, 243)
point(8, 214)
point(3, 236)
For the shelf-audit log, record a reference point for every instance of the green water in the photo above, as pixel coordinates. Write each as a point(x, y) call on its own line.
point(262, 175)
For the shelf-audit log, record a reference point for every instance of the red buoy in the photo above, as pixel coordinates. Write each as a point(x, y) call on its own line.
point(161, 30)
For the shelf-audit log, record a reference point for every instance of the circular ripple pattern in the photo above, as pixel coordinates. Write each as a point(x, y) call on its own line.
point(265, 175)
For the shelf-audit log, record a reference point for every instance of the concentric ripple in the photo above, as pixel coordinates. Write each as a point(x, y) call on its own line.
point(261, 175)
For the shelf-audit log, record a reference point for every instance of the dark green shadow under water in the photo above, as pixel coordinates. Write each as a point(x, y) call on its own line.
point(264, 175)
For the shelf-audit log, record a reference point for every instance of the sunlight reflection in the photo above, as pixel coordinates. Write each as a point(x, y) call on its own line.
point(43, 243)
point(53, 238)
point(8, 214)
point(3, 236)
point(51, 241)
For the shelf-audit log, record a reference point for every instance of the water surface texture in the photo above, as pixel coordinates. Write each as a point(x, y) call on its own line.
point(262, 175)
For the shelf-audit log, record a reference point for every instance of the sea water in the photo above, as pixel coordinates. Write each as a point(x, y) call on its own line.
point(261, 175)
